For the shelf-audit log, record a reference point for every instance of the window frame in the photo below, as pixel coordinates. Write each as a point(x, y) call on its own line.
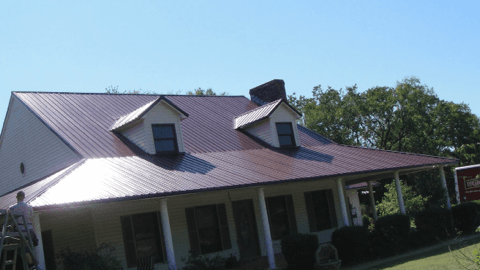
point(290, 212)
point(174, 139)
point(292, 135)
point(130, 241)
point(194, 232)
point(313, 214)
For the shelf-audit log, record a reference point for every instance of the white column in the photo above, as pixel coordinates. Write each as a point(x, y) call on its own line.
point(444, 185)
point(401, 204)
point(38, 249)
point(266, 229)
point(167, 235)
point(372, 200)
point(457, 192)
point(341, 197)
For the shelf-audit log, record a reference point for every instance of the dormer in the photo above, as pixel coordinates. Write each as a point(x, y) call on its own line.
point(155, 127)
point(274, 123)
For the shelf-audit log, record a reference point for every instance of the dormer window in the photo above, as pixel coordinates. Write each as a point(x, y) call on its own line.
point(165, 138)
point(286, 138)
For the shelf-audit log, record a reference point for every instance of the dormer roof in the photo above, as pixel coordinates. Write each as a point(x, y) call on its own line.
point(140, 112)
point(260, 113)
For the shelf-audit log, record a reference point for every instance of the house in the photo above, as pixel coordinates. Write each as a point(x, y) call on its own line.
point(160, 175)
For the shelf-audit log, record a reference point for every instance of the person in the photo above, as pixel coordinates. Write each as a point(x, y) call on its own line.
point(27, 212)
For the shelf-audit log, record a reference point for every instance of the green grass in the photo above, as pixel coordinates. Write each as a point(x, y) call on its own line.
point(459, 256)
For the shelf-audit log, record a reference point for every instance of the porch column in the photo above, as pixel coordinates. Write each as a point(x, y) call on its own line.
point(266, 229)
point(444, 185)
point(341, 197)
point(38, 249)
point(167, 235)
point(372, 200)
point(401, 204)
point(457, 192)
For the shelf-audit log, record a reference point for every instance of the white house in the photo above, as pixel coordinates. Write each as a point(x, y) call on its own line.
point(159, 175)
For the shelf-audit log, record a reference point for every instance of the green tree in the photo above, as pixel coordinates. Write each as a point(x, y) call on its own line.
point(408, 118)
point(414, 202)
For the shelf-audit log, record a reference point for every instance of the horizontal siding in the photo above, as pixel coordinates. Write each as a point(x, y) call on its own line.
point(283, 114)
point(108, 227)
point(72, 228)
point(261, 130)
point(136, 134)
point(27, 140)
point(162, 113)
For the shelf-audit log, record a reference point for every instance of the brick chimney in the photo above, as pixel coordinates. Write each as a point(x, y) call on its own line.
point(268, 92)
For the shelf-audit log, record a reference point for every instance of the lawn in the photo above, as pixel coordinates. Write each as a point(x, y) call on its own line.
point(457, 256)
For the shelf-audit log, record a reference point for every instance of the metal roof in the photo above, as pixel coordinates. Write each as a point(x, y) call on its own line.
point(260, 113)
point(218, 156)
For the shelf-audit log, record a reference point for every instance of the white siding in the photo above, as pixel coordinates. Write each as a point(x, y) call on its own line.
point(71, 228)
point(283, 114)
point(136, 134)
point(162, 113)
point(108, 227)
point(27, 140)
point(261, 130)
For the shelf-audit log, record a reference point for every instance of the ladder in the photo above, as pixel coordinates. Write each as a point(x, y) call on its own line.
point(14, 241)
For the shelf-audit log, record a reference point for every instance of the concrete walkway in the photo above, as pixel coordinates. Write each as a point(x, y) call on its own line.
point(371, 265)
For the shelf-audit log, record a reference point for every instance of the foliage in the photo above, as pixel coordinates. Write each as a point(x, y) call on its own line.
point(351, 243)
point(408, 117)
point(413, 202)
point(299, 250)
point(434, 224)
point(114, 90)
point(205, 92)
point(203, 262)
point(101, 258)
point(391, 234)
point(466, 217)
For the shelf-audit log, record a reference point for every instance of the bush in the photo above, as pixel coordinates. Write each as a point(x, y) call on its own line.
point(392, 232)
point(351, 243)
point(201, 262)
point(100, 258)
point(434, 224)
point(299, 250)
point(465, 217)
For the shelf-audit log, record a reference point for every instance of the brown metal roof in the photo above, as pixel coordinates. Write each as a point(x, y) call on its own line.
point(218, 156)
point(258, 114)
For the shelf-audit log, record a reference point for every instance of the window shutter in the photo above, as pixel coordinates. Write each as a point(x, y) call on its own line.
point(223, 222)
point(291, 214)
point(128, 241)
point(310, 212)
point(331, 208)
point(192, 231)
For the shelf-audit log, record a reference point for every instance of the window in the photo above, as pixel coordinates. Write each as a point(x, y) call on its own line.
point(286, 137)
point(165, 138)
point(142, 237)
point(281, 216)
point(208, 228)
point(320, 210)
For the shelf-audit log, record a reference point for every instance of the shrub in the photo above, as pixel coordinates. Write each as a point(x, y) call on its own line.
point(351, 243)
point(100, 258)
point(434, 224)
point(299, 250)
point(392, 232)
point(465, 217)
point(202, 262)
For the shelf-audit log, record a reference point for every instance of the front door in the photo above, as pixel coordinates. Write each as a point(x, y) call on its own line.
point(247, 236)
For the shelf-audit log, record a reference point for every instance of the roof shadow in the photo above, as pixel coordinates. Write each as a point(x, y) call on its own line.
point(305, 154)
point(182, 163)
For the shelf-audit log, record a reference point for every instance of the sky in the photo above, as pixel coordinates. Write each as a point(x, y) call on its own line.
point(233, 46)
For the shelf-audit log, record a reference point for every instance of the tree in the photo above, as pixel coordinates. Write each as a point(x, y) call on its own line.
point(208, 92)
point(414, 202)
point(199, 91)
point(408, 118)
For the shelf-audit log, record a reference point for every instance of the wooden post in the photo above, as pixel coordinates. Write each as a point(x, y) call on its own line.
point(167, 235)
point(401, 203)
point(266, 229)
point(341, 197)
point(372, 200)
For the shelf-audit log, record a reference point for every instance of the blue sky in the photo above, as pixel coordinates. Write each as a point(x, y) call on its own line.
point(232, 46)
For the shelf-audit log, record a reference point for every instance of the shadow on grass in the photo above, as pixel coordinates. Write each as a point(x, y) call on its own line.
point(419, 254)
